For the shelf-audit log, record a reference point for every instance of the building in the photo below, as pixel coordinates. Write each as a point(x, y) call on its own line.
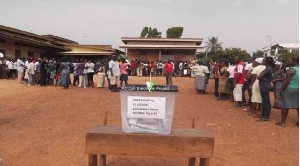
point(15, 43)
point(281, 49)
point(162, 49)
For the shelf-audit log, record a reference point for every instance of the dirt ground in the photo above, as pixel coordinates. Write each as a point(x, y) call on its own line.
point(47, 126)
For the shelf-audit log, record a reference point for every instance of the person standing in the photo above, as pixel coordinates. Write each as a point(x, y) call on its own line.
point(9, 68)
point(201, 73)
point(20, 69)
point(277, 79)
point(265, 79)
point(238, 80)
point(168, 72)
point(114, 73)
point(124, 74)
point(246, 86)
point(256, 100)
point(101, 74)
point(85, 80)
point(43, 72)
point(133, 67)
point(290, 91)
point(75, 73)
point(107, 73)
point(31, 72)
point(216, 73)
point(80, 71)
point(65, 74)
point(230, 73)
point(90, 73)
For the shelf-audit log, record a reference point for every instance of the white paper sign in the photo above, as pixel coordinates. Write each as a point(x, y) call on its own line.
point(146, 107)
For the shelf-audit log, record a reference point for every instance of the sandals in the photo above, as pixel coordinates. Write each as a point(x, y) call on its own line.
point(280, 124)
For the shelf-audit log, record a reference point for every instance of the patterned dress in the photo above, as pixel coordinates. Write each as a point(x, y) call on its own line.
point(276, 87)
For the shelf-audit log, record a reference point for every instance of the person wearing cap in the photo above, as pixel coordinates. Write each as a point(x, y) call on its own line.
point(256, 100)
point(277, 79)
point(114, 73)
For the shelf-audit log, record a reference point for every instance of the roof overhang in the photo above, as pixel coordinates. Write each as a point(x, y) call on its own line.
point(155, 47)
point(29, 39)
point(198, 41)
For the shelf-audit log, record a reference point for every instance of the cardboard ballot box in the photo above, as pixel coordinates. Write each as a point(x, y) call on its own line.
point(147, 111)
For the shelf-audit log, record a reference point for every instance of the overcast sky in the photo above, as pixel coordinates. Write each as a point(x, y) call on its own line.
point(237, 23)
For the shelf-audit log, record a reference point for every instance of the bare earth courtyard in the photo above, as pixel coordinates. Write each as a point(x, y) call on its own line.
point(47, 126)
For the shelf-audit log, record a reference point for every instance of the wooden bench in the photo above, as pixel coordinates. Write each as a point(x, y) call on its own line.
point(108, 140)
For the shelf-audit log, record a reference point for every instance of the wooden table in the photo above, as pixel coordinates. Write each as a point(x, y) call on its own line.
point(109, 140)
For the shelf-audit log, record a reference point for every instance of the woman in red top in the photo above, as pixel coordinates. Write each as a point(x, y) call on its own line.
point(169, 72)
point(124, 74)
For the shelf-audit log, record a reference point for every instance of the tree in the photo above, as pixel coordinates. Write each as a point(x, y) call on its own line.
point(213, 44)
point(257, 54)
point(225, 55)
point(174, 32)
point(148, 32)
point(144, 32)
point(285, 56)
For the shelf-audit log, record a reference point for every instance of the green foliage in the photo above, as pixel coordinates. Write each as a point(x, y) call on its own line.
point(200, 55)
point(213, 44)
point(148, 32)
point(276, 46)
point(258, 53)
point(285, 56)
point(174, 32)
point(144, 32)
point(225, 55)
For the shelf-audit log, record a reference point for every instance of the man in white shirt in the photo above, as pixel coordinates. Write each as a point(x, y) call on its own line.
point(20, 69)
point(9, 68)
point(114, 73)
point(230, 71)
point(31, 72)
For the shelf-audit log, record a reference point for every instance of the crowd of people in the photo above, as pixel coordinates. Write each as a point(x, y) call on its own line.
point(232, 80)
point(257, 78)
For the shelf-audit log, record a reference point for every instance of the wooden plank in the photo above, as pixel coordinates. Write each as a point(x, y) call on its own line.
point(181, 143)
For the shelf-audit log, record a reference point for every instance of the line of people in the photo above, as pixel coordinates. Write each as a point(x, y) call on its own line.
point(258, 77)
